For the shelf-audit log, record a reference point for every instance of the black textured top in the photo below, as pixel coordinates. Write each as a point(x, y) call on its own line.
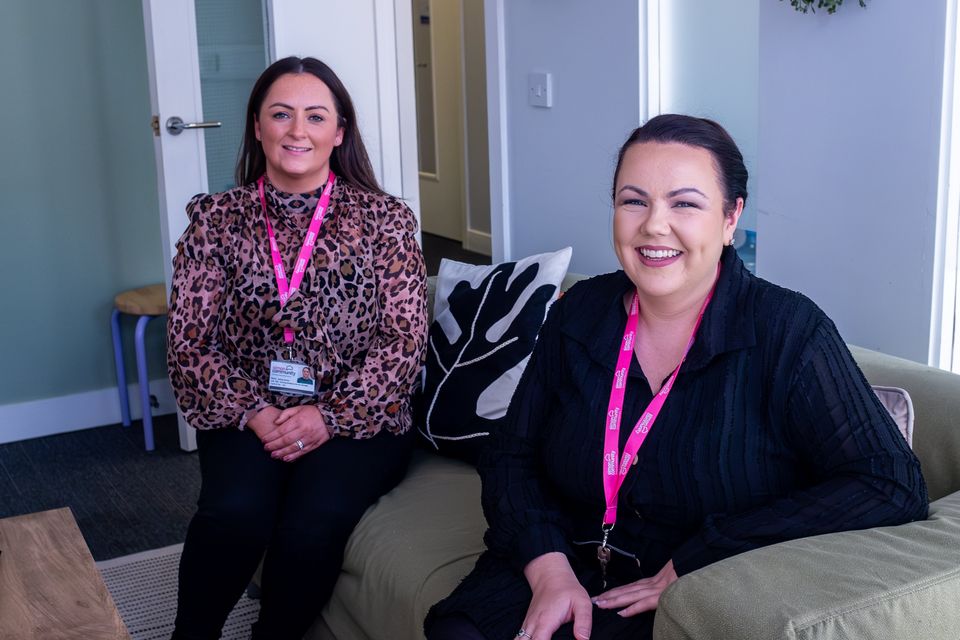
point(771, 433)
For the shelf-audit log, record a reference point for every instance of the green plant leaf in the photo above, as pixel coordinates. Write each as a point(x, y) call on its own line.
point(805, 6)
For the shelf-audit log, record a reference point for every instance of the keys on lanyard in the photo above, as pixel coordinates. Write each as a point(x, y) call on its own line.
point(603, 555)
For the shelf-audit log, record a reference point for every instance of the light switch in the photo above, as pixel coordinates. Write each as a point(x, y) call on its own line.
point(540, 89)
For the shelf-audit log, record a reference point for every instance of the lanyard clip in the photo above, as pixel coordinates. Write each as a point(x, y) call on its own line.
point(606, 529)
point(289, 352)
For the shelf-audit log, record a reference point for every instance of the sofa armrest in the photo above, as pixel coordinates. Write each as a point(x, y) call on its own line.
point(883, 583)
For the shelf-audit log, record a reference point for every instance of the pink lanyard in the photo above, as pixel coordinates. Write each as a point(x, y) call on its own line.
point(615, 468)
point(288, 289)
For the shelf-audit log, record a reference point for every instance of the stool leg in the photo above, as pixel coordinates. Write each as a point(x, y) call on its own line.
point(121, 369)
point(144, 382)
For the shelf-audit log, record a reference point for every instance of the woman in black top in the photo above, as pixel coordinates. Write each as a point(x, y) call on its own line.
point(769, 432)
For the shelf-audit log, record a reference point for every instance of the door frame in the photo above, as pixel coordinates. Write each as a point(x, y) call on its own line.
point(497, 142)
point(180, 160)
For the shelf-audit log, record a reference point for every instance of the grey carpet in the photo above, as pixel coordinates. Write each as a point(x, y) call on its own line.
point(144, 588)
point(124, 499)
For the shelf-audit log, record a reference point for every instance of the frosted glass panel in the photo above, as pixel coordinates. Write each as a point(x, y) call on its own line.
point(232, 55)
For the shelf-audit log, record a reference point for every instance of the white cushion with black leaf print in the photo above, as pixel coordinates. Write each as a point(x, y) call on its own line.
point(486, 321)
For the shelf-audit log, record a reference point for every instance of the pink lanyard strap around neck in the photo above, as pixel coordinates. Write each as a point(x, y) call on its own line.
point(615, 468)
point(289, 288)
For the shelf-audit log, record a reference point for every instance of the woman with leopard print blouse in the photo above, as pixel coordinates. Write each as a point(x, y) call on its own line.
point(289, 464)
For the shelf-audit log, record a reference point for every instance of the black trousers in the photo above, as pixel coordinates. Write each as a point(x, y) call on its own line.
point(300, 513)
point(455, 627)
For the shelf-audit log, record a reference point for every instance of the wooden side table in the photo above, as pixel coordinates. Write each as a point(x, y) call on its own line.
point(50, 588)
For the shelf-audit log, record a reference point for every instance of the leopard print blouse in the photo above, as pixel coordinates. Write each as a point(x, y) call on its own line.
point(359, 315)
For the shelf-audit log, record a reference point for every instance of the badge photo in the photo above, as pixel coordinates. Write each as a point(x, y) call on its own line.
point(292, 378)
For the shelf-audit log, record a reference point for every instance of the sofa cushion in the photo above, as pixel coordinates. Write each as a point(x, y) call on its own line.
point(409, 551)
point(486, 321)
point(878, 583)
point(898, 404)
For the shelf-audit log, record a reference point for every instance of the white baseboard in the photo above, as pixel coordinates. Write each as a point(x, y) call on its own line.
point(38, 418)
point(478, 242)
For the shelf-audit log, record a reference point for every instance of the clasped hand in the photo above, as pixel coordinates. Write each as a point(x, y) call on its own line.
point(279, 431)
point(558, 597)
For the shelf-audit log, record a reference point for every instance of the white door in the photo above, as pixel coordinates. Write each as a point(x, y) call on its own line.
point(203, 57)
point(438, 59)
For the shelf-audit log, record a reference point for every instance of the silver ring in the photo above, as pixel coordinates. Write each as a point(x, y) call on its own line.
point(523, 634)
point(300, 444)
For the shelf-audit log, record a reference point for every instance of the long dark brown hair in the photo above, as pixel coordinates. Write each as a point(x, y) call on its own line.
point(349, 160)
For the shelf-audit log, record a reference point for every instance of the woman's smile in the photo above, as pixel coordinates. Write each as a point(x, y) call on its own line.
point(657, 256)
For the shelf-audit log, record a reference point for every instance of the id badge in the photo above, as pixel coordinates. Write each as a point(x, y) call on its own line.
point(292, 378)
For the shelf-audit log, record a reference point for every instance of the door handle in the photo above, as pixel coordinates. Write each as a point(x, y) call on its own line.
point(176, 125)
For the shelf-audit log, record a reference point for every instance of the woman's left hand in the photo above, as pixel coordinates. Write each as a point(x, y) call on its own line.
point(303, 423)
point(637, 597)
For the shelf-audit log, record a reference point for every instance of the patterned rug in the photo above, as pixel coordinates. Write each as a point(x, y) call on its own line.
point(144, 587)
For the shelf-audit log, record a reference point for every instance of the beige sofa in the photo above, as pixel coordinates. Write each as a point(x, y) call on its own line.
point(415, 545)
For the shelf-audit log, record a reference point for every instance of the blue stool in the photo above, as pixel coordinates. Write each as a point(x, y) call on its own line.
point(146, 303)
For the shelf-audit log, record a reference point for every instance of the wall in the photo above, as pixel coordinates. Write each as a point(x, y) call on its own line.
point(710, 68)
point(80, 209)
point(561, 160)
point(847, 185)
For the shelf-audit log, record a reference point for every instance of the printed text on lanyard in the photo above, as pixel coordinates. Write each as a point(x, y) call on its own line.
point(289, 288)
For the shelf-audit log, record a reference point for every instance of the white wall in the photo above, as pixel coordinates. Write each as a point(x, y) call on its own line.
point(709, 68)
point(847, 179)
point(561, 160)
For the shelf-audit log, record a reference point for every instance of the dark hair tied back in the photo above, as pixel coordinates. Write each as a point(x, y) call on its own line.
point(696, 132)
point(349, 160)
